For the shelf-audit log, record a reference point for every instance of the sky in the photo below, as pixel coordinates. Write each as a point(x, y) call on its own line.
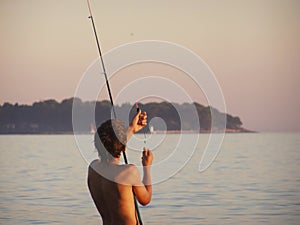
point(252, 46)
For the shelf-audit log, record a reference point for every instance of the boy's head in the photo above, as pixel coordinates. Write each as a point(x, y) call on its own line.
point(111, 138)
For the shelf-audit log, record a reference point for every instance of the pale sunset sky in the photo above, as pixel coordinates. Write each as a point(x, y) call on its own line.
point(252, 46)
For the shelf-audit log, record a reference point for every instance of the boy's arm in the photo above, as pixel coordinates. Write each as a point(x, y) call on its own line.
point(143, 190)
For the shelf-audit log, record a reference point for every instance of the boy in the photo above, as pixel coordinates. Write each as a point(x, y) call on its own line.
point(113, 186)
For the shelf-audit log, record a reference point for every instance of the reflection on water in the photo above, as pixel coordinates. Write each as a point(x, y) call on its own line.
point(254, 180)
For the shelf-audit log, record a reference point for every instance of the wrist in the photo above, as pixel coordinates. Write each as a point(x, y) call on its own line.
point(130, 132)
point(146, 168)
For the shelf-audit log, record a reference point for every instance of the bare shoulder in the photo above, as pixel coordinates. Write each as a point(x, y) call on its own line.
point(130, 174)
point(93, 165)
point(131, 168)
point(127, 174)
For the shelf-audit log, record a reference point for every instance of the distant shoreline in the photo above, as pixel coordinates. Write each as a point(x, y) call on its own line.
point(52, 117)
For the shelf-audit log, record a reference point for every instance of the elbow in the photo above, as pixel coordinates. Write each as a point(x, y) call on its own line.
point(145, 202)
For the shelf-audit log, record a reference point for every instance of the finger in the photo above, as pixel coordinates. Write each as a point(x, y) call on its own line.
point(146, 151)
point(138, 112)
point(142, 117)
point(136, 117)
point(142, 123)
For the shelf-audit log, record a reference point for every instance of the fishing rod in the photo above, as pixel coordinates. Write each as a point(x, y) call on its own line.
point(137, 110)
point(110, 97)
point(101, 59)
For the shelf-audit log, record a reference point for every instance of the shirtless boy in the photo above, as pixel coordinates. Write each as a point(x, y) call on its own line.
point(111, 184)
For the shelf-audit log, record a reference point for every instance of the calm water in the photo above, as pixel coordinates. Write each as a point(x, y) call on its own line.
point(254, 180)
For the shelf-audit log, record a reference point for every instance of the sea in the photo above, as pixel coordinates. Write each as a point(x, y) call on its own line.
point(254, 179)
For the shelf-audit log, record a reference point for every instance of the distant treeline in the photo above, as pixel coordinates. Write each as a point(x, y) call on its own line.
point(51, 116)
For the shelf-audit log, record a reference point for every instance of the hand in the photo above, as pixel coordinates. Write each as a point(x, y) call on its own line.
point(138, 122)
point(147, 157)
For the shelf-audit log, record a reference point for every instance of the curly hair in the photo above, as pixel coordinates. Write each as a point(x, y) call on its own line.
point(111, 138)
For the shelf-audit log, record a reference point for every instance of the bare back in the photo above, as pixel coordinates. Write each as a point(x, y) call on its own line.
point(113, 199)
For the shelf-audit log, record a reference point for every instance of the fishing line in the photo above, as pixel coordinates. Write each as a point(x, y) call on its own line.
point(110, 97)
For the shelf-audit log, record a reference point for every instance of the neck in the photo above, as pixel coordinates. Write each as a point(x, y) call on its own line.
point(112, 161)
